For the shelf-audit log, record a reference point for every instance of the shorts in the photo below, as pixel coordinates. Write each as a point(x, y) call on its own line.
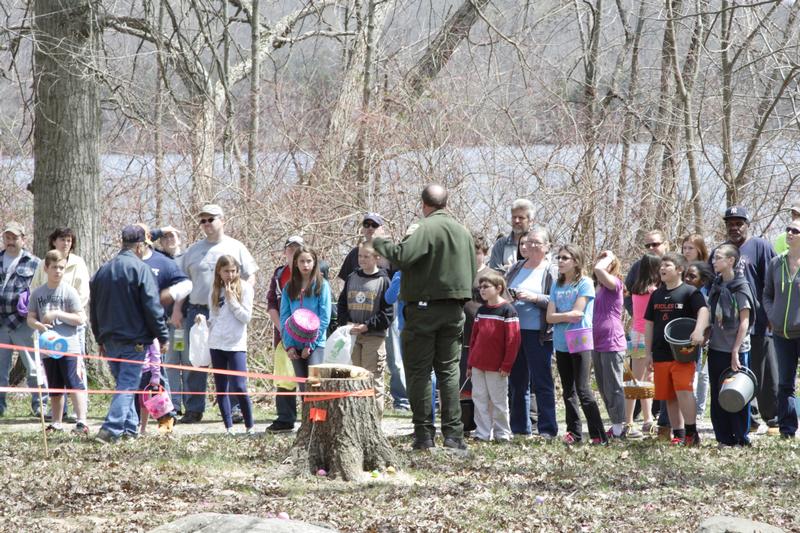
point(671, 376)
point(636, 345)
point(62, 373)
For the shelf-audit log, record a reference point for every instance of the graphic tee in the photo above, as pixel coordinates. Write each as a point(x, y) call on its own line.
point(564, 297)
point(62, 298)
point(666, 305)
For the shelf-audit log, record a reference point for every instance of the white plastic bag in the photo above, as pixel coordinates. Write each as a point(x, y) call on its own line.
point(199, 354)
point(339, 346)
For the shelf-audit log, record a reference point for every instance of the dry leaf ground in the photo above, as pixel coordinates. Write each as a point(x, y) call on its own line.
point(522, 486)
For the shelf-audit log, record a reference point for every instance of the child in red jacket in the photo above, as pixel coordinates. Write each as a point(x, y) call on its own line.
point(493, 348)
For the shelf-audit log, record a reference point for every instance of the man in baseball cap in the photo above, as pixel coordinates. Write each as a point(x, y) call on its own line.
point(17, 267)
point(755, 255)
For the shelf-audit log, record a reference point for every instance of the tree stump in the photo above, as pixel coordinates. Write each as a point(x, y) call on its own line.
point(344, 435)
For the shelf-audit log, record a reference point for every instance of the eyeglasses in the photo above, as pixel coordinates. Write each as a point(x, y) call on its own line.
point(208, 220)
point(563, 258)
point(486, 287)
point(649, 245)
point(368, 224)
point(793, 230)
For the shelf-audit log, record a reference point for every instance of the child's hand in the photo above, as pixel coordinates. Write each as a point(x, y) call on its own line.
point(504, 374)
point(43, 327)
point(697, 338)
point(358, 329)
point(198, 319)
point(230, 296)
point(306, 353)
point(469, 372)
point(735, 366)
point(292, 353)
point(49, 317)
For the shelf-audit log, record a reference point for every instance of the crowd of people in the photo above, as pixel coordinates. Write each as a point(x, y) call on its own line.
point(455, 321)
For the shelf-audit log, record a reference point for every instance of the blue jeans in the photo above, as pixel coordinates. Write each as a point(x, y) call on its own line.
point(394, 361)
point(227, 360)
point(122, 418)
point(729, 428)
point(533, 365)
point(22, 336)
point(189, 380)
point(788, 352)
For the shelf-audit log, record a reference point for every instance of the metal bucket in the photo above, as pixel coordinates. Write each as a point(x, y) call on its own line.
point(736, 389)
point(678, 333)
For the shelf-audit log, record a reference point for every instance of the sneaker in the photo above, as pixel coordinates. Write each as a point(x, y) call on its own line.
point(632, 433)
point(648, 429)
point(71, 418)
point(105, 437)
point(250, 432)
point(664, 433)
point(610, 433)
point(422, 444)
point(130, 436)
point(191, 417)
point(81, 429)
point(455, 443)
point(280, 427)
point(569, 439)
point(230, 432)
point(52, 428)
point(676, 441)
point(692, 440)
point(597, 441)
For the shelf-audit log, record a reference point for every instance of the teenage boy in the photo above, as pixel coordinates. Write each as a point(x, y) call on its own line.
point(362, 304)
point(57, 306)
point(673, 380)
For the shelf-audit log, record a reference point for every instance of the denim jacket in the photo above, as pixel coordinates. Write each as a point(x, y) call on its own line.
point(19, 280)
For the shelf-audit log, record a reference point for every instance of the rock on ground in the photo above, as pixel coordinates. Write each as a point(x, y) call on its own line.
point(233, 523)
point(732, 524)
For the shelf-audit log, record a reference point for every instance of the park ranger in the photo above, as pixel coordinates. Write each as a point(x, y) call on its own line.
point(437, 259)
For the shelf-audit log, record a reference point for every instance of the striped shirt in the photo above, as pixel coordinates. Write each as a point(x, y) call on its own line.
point(495, 338)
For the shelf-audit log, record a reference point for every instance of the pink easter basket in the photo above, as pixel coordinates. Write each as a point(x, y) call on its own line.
point(579, 340)
point(303, 326)
point(157, 402)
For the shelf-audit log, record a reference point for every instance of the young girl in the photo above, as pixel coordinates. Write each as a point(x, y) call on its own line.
point(230, 309)
point(609, 341)
point(308, 290)
point(644, 285)
point(571, 306)
point(494, 343)
point(699, 274)
point(731, 303)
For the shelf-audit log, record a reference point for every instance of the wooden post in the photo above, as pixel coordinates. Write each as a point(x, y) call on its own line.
point(341, 435)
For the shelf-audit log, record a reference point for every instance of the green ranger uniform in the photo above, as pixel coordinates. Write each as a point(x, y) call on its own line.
point(437, 258)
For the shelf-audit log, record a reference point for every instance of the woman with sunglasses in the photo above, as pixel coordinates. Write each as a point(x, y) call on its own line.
point(782, 305)
point(529, 284)
point(571, 306)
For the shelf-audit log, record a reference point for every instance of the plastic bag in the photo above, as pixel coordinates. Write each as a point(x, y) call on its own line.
point(283, 368)
point(339, 346)
point(199, 354)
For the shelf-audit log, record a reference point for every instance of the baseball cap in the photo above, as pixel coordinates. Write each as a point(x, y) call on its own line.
point(170, 229)
point(133, 233)
point(294, 239)
point(374, 217)
point(737, 211)
point(795, 209)
point(15, 228)
point(211, 209)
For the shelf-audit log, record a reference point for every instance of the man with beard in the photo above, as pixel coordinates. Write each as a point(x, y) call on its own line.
point(505, 251)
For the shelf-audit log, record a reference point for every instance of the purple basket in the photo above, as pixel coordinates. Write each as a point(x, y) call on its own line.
point(303, 326)
point(579, 340)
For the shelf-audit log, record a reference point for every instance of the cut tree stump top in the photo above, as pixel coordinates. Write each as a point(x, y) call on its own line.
point(332, 371)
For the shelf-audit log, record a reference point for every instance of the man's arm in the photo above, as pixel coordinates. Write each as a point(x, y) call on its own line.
point(408, 251)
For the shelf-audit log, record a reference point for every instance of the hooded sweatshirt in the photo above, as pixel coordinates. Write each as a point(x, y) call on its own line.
point(726, 299)
point(782, 298)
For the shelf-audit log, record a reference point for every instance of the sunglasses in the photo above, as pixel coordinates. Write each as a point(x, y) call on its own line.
point(486, 287)
point(653, 245)
point(563, 258)
point(208, 220)
point(793, 230)
point(368, 224)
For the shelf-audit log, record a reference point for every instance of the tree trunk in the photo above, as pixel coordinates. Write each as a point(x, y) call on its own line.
point(347, 439)
point(66, 132)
